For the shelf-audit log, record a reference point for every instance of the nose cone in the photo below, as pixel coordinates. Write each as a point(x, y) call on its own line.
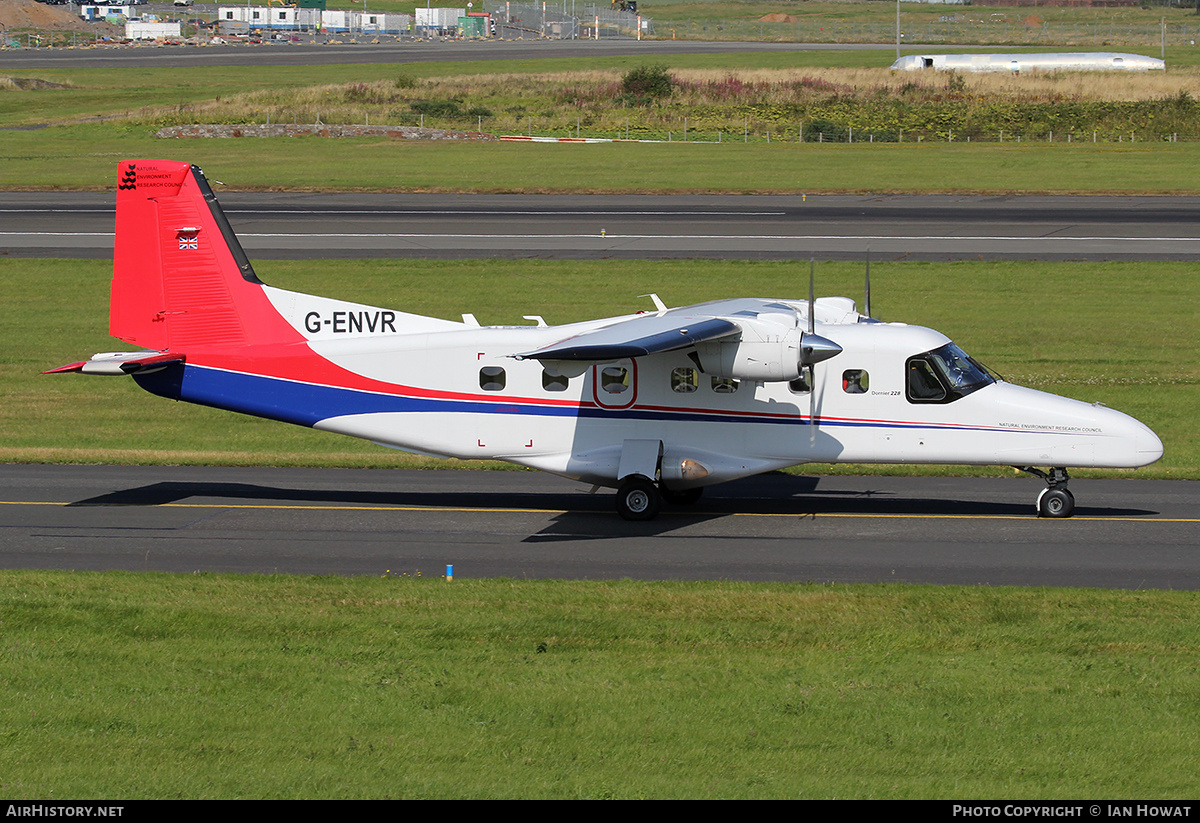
point(814, 348)
point(1131, 442)
point(1147, 446)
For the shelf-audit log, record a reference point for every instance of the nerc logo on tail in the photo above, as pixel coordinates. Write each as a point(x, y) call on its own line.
point(658, 405)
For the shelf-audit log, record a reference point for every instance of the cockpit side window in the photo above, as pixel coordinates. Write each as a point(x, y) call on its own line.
point(943, 375)
point(923, 385)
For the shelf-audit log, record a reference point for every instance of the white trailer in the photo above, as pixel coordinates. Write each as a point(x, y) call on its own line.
point(141, 30)
point(440, 20)
point(1014, 63)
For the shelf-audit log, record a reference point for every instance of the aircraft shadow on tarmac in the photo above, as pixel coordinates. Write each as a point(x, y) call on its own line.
point(588, 516)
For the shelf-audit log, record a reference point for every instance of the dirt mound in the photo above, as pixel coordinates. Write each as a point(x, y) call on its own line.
point(29, 14)
point(27, 83)
point(778, 18)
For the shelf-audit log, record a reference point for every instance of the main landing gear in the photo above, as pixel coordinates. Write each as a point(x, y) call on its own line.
point(640, 498)
point(1056, 499)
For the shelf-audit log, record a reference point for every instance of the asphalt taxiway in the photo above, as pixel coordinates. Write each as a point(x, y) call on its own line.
point(313, 52)
point(912, 227)
point(1130, 534)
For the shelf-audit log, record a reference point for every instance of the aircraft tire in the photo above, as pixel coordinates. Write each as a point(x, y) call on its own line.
point(681, 497)
point(1056, 503)
point(638, 499)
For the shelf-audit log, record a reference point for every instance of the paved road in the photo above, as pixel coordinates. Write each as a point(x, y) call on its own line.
point(929, 227)
point(1126, 533)
point(306, 54)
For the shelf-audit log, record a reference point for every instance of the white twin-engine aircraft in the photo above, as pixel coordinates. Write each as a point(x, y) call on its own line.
point(657, 404)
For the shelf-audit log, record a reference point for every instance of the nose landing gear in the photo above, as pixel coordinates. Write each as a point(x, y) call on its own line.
point(1056, 499)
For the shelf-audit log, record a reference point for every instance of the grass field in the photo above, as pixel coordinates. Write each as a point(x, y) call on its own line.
point(87, 157)
point(1010, 315)
point(212, 686)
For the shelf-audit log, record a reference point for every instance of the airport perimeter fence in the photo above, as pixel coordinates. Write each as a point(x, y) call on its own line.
point(49, 39)
point(566, 20)
point(833, 134)
point(679, 129)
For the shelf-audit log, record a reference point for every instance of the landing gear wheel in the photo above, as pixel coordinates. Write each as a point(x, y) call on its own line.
point(1056, 503)
point(681, 497)
point(638, 499)
point(1055, 500)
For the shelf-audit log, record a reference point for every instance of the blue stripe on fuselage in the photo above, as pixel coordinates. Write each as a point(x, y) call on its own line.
point(306, 404)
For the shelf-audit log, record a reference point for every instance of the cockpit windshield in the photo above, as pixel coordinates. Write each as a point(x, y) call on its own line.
point(944, 375)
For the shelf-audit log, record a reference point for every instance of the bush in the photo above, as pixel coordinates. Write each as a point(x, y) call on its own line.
point(438, 108)
point(646, 83)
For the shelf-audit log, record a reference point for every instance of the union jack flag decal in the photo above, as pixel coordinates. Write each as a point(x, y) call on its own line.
point(187, 238)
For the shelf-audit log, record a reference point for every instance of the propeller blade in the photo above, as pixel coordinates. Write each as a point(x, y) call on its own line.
point(813, 346)
point(867, 293)
point(812, 301)
point(812, 406)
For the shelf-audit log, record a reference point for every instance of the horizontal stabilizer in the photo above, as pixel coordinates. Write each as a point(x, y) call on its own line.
point(121, 362)
point(636, 338)
point(70, 367)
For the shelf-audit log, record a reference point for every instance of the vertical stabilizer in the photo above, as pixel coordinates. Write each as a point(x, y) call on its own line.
point(181, 280)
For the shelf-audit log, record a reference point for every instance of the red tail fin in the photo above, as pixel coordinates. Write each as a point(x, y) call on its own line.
point(180, 278)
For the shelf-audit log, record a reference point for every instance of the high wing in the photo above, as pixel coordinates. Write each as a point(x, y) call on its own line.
point(636, 337)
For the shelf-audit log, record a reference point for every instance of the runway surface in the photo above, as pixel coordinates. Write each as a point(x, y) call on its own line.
point(1128, 534)
point(416, 51)
point(925, 227)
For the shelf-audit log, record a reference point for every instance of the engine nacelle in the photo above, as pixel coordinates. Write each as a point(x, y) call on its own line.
point(765, 352)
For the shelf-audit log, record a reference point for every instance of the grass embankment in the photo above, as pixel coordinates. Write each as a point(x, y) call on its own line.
point(654, 102)
point(129, 686)
point(742, 100)
point(1121, 334)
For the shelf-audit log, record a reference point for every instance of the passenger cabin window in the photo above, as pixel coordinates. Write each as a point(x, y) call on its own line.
point(553, 381)
point(492, 378)
point(803, 383)
point(943, 375)
point(724, 385)
point(614, 379)
point(684, 381)
point(855, 381)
